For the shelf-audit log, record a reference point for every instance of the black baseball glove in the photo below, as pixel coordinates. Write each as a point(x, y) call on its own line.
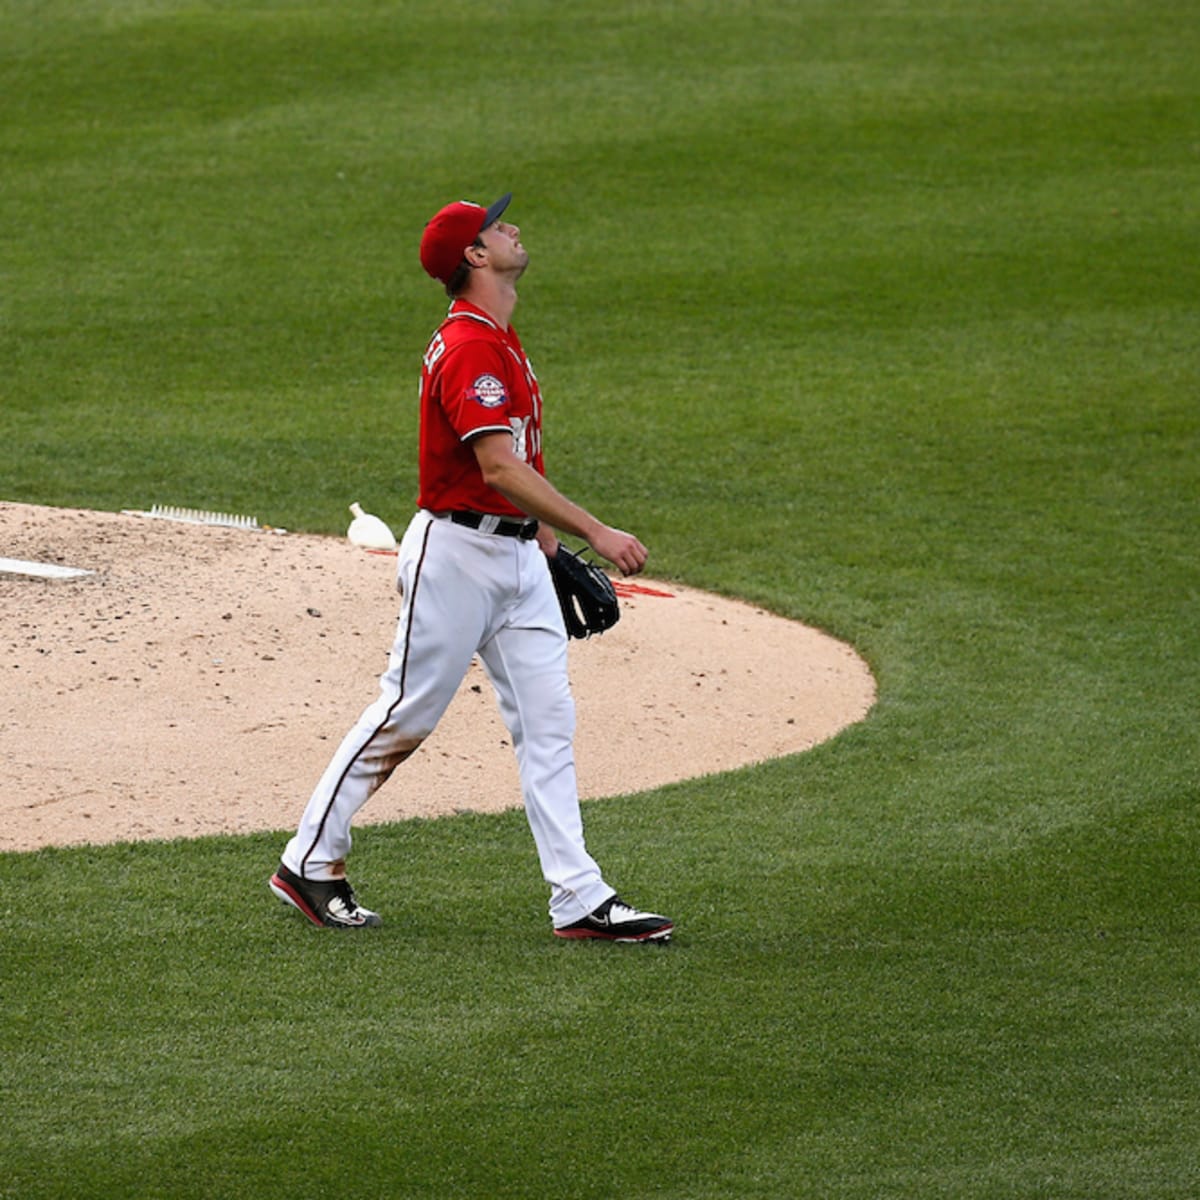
point(585, 594)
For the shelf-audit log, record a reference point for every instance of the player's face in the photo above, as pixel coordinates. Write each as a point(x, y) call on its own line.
point(502, 240)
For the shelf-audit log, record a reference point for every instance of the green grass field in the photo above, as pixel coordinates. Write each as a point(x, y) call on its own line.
point(886, 317)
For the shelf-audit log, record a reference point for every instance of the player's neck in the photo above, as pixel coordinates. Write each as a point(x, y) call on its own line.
point(496, 295)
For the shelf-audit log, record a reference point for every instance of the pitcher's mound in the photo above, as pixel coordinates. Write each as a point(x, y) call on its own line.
point(199, 678)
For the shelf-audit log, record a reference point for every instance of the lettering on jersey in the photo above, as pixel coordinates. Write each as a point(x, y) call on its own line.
point(488, 391)
point(520, 434)
point(437, 347)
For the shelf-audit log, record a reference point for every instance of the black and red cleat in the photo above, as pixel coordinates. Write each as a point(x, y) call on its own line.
point(327, 902)
point(616, 921)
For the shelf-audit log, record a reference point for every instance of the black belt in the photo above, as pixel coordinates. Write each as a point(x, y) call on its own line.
point(490, 523)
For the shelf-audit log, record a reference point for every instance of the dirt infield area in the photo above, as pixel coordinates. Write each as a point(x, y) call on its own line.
point(197, 680)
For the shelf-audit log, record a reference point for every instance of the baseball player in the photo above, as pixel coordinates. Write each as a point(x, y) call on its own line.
point(473, 577)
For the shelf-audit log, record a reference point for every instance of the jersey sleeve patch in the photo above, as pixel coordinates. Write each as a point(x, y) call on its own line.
point(487, 391)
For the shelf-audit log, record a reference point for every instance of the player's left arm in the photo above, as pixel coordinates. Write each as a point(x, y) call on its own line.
point(534, 494)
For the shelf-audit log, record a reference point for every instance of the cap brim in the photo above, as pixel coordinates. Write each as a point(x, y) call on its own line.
point(496, 211)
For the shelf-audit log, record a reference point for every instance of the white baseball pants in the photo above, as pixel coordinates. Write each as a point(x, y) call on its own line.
point(465, 593)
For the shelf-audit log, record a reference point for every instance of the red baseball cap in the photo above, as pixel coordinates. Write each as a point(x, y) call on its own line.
point(452, 230)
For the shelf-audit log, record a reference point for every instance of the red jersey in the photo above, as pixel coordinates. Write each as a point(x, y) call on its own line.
point(475, 379)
